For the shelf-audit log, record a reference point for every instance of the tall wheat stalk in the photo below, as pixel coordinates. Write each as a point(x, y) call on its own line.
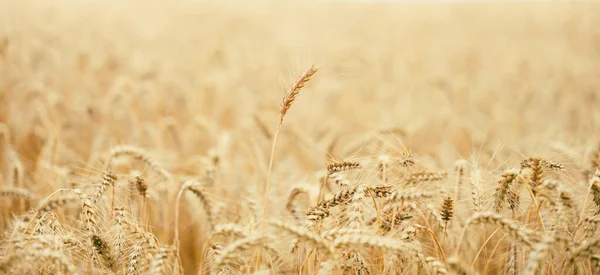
point(288, 99)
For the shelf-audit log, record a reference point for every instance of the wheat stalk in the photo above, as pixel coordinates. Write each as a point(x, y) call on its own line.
point(288, 99)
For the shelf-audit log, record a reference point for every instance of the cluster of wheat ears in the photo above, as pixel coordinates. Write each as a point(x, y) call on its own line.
point(109, 166)
point(358, 221)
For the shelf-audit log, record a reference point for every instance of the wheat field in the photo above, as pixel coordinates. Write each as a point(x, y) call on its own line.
point(299, 138)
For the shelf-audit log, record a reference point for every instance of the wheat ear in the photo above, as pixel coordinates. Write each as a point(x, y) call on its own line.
point(537, 254)
point(511, 227)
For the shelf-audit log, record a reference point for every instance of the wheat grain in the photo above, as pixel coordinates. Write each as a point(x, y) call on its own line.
point(294, 91)
point(459, 170)
point(340, 166)
point(101, 248)
point(503, 189)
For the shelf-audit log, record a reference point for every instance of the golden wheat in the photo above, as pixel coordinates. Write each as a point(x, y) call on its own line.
point(136, 139)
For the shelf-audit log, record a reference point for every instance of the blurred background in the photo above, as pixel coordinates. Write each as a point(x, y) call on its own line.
point(482, 68)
